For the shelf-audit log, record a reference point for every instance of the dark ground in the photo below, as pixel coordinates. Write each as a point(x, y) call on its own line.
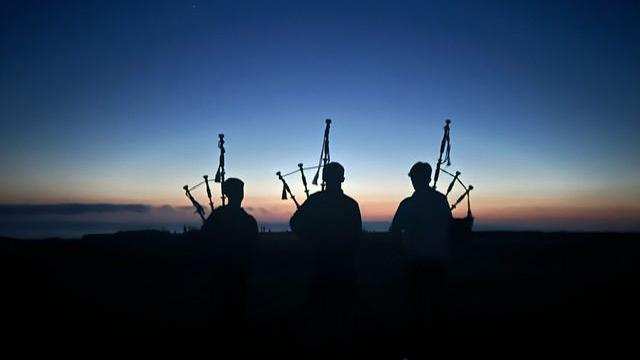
point(514, 294)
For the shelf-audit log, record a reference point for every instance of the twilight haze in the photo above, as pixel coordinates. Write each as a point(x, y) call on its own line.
point(120, 103)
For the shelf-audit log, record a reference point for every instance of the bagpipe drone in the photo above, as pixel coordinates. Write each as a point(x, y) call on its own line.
point(219, 178)
point(325, 158)
point(460, 224)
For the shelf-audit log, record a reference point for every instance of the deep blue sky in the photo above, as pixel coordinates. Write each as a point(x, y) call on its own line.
point(121, 101)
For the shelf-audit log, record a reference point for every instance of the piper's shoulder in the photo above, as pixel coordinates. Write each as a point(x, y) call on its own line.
point(316, 195)
point(219, 211)
point(248, 215)
point(351, 200)
point(252, 220)
point(406, 201)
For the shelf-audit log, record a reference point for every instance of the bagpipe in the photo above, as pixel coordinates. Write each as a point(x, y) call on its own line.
point(325, 158)
point(219, 178)
point(463, 224)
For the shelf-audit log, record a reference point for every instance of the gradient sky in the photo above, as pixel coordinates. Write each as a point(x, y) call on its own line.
point(122, 101)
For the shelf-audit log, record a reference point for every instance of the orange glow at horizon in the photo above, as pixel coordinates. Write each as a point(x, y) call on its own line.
point(490, 209)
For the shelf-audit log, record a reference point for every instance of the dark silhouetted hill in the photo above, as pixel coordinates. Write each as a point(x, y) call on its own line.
point(513, 294)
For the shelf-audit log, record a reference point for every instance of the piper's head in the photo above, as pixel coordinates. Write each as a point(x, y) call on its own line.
point(333, 175)
point(420, 175)
point(234, 190)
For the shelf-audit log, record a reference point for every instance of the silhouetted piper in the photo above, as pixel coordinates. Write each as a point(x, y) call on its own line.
point(330, 223)
point(421, 225)
point(234, 234)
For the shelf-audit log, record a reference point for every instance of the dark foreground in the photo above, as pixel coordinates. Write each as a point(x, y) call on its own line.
point(514, 294)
